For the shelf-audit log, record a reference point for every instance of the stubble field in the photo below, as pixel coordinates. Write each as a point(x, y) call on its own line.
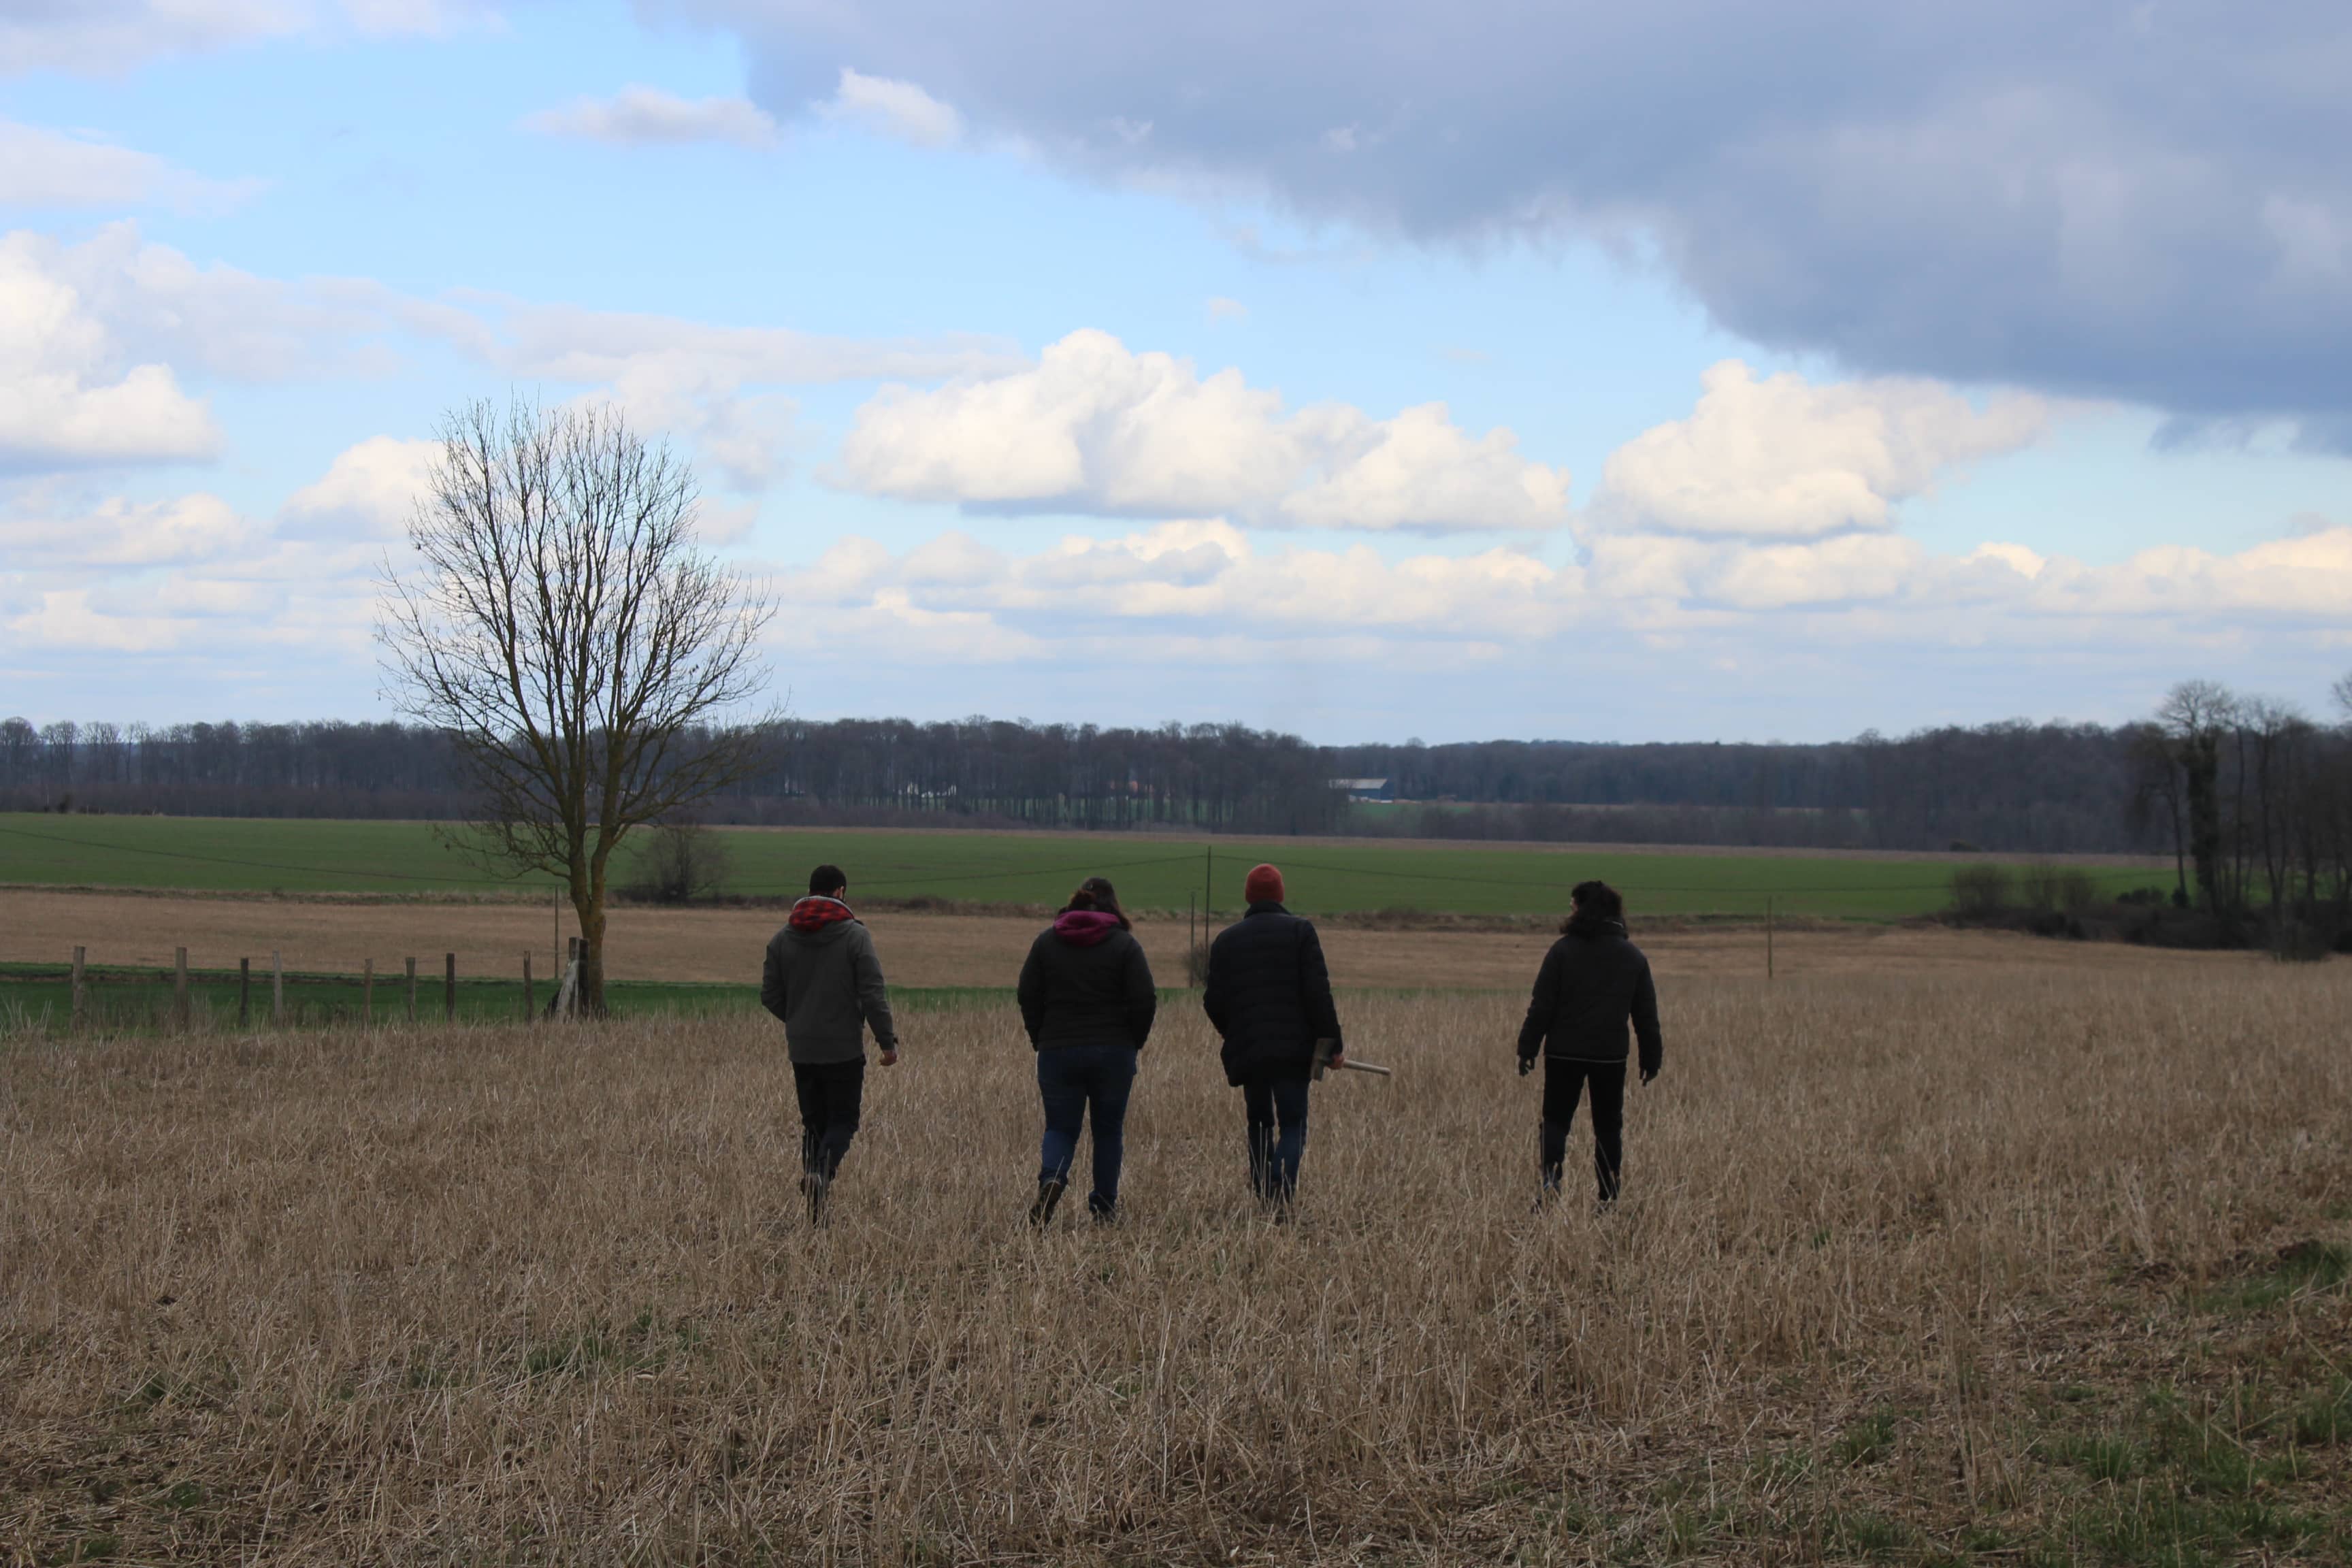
point(724, 946)
point(1914, 1269)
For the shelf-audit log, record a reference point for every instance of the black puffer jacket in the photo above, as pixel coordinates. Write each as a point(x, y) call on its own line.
point(1269, 995)
point(1087, 983)
point(1592, 984)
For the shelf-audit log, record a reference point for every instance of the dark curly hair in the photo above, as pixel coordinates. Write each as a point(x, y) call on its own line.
point(1594, 900)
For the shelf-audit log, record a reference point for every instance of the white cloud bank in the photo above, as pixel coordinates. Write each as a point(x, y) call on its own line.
point(1767, 520)
point(1092, 427)
point(643, 116)
point(1124, 599)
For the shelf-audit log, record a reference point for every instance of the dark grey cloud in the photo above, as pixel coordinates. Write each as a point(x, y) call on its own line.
point(2144, 200)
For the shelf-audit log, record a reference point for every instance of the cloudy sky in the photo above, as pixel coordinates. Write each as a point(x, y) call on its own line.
point(1696, 369)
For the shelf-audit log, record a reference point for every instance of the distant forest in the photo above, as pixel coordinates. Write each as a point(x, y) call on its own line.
point(2014, 787)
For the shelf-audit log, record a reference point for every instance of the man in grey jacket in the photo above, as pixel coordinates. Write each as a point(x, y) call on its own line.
point(824, 981)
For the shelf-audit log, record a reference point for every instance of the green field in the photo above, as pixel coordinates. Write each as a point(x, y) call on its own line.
point(1326, 875)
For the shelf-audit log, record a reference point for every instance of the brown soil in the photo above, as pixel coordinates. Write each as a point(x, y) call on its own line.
point(933, 949)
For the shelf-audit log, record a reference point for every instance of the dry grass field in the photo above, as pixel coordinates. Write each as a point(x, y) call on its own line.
point(929, 949)
point(2026, 1266)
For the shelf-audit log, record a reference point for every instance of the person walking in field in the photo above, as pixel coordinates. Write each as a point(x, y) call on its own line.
point(1269, 998)
point(1594, 983)
point(1087, 1001)
point(822, 979)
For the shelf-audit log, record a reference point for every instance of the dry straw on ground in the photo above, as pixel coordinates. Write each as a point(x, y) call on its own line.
point(933, 949)
point(1925, 1270)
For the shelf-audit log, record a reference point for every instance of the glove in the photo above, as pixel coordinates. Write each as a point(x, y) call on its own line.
point(1527, 1066)
point(1648, 1074)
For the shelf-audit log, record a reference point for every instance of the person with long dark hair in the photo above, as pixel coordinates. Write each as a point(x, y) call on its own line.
point(1594, 983)
point(1087, 1001)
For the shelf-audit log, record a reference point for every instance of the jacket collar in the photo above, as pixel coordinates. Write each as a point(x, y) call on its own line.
point(817, 911)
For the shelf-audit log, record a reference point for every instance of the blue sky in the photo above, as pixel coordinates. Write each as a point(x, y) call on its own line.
point(1365, 374)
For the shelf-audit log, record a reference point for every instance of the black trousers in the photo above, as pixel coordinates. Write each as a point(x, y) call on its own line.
point(1564, 1084)
point(830, 1093)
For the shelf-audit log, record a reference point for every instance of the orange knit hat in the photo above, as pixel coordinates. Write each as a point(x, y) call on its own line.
point(1263, 885)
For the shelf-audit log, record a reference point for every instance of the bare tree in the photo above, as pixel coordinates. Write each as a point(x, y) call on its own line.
point(2193, 714)
point(559, 625)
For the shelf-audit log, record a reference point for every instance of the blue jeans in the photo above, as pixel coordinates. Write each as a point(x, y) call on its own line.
point(1277, 1135)
point(1070, 1079)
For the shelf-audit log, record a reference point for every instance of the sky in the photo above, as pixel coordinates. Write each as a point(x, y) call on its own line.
point(1696, 370)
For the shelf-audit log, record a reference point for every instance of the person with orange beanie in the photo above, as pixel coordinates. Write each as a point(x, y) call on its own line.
point(1269, 998)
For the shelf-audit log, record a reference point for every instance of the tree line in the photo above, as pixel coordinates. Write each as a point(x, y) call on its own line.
point(2276, 794)
point(1213, 778)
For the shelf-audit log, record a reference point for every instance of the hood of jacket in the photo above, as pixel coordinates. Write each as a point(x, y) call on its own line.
point(819, 917)
point(1085, 928)
point(1593, 929)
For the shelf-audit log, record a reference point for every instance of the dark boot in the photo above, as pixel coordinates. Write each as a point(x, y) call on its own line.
point(1551, 1155)
point(1049, 1193)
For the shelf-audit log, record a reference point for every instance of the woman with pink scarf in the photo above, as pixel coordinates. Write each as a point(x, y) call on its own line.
point(1087, 1001)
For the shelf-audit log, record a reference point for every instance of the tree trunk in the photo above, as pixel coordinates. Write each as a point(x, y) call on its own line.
point(2201, 760)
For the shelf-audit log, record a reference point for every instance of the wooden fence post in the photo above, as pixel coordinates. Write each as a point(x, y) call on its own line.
point(277, 988)
point(411, 991)
point(1767, 938)
point(1192, 942)
point(367, 993)
point(529, 1012)
point(449, 988)
point(244, 992)
point(180, 989)
point(81, 989)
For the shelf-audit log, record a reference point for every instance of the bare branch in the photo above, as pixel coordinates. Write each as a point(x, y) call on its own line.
point(561, 626)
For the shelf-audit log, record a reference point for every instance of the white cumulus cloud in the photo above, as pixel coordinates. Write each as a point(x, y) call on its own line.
point(1779, 458)
point(638, 116)
point(67, 398)
point(368, 492)
point(1093, 428)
